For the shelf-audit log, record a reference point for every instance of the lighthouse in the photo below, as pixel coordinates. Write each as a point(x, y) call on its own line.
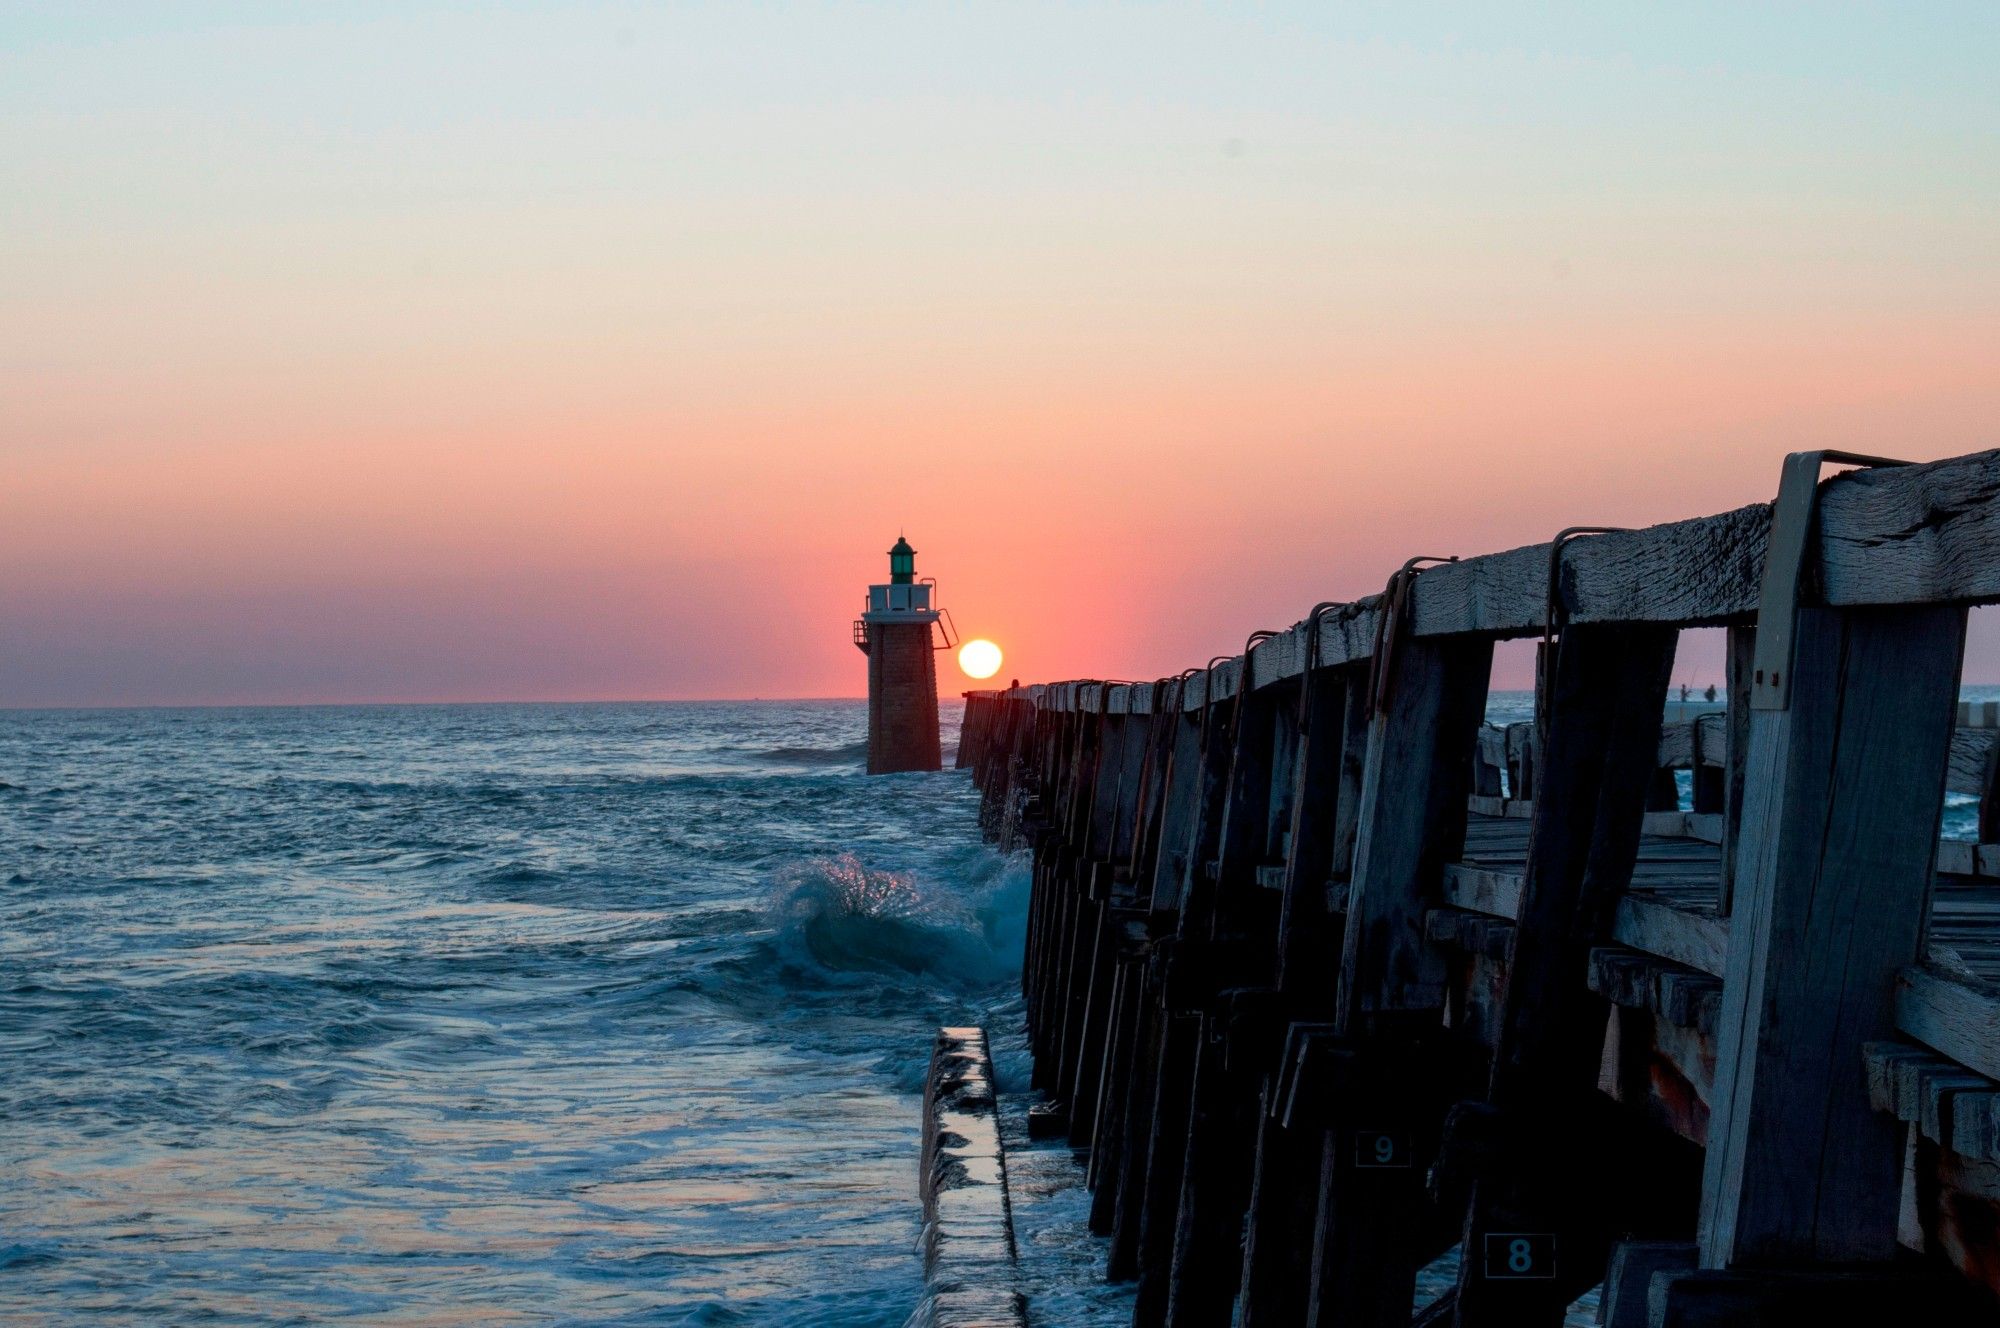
point(896, 632)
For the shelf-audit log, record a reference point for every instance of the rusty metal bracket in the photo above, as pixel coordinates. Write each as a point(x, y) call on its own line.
point(1249, 644)
point(1792, 517)
point(1312, 621)
point(1104, 686)
point(1388, 625)
point(1555, 617)
point(1311, 661)
point(1208, 696)
point(1243, 681)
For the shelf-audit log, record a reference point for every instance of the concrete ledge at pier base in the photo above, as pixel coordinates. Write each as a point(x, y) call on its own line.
point(969, 1256)
point(968, 1309)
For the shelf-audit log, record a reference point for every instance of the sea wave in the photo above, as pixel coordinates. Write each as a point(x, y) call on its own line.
point(840, 916)
point(849, 753)
point(640, 996)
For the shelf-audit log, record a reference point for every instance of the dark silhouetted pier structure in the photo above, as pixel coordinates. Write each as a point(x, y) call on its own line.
point(1330, 978)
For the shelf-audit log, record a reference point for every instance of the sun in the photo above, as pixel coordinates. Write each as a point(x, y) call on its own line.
point(979, 659)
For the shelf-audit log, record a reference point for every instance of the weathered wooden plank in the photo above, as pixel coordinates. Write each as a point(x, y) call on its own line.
point(1882, 1062)
point(1134, 750)
point(1490, 765)
point(1096, 976)
point(1285, 1190)
point(1482, 890)
point(1645, 922)
point(1411, 822)
point(1210, 794)
point(1598, 762)
point(1320, 842)
point(1500, 807)
point(1740, 670)
point(1178, 814)
point(1136, 1131)
point(1073, 936)
point(1521, 740)
point(1660, 919)
point(1948, 1104)
point(1114, 1077)
point(1106, 776)
point(1954, 1015)
point(1919, 534)
point(1937, 1089)
point(1277, 1233)
point(1926, 534)
point(1705, 826)
point(1629, 1276)
point(1843, 794)
point(1975, 1125)
point(1080, 780)
point(1166, 1154)
point(1353, 768)
point(1215, 1187)
point(1369, 1234)
point(1162, 726)
point(1623, 977)
point(1678, 573)
point(1689, 999)
point(1687, 573)
point(1243, 844)
point(1693, 742)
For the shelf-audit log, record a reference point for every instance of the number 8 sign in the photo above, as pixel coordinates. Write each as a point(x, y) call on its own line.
point(1520, 1255)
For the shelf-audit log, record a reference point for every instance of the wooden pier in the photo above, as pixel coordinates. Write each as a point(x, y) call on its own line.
point(1330, 979)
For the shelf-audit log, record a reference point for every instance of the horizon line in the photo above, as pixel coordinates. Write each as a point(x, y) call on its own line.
point(557, 701)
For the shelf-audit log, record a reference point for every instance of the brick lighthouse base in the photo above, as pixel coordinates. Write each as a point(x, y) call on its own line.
point(902, 698)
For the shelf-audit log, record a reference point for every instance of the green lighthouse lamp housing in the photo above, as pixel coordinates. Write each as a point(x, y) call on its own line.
point(902, 563)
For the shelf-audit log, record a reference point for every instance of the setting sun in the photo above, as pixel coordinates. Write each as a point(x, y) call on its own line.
point(979, 659)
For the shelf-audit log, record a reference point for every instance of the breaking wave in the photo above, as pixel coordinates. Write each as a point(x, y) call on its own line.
point(841, 916)
point(648, 989)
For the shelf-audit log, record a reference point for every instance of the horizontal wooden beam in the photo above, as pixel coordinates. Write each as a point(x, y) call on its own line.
point(1947, 1103)
point(1699, 940)
point(1922, 534)
point(1956, 1015)
point(1926, 534)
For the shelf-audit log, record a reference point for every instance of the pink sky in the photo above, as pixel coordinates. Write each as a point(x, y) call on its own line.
point(555, 378)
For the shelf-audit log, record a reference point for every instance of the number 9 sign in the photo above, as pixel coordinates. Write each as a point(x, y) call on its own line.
point(1381, 1148)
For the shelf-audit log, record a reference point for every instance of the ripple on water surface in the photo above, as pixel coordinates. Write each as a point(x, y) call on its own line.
point(475, 1014)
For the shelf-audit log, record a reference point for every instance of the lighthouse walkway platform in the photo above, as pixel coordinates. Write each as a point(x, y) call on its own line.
point(1322, 996)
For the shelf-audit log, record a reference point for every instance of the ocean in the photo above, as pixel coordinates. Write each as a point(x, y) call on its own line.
point(494, 1014)
point(489, 1014)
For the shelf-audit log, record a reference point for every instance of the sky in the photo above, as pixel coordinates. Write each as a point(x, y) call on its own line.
point(424, 351)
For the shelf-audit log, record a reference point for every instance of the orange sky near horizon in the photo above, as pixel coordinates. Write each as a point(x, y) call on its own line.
point(591, 385)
